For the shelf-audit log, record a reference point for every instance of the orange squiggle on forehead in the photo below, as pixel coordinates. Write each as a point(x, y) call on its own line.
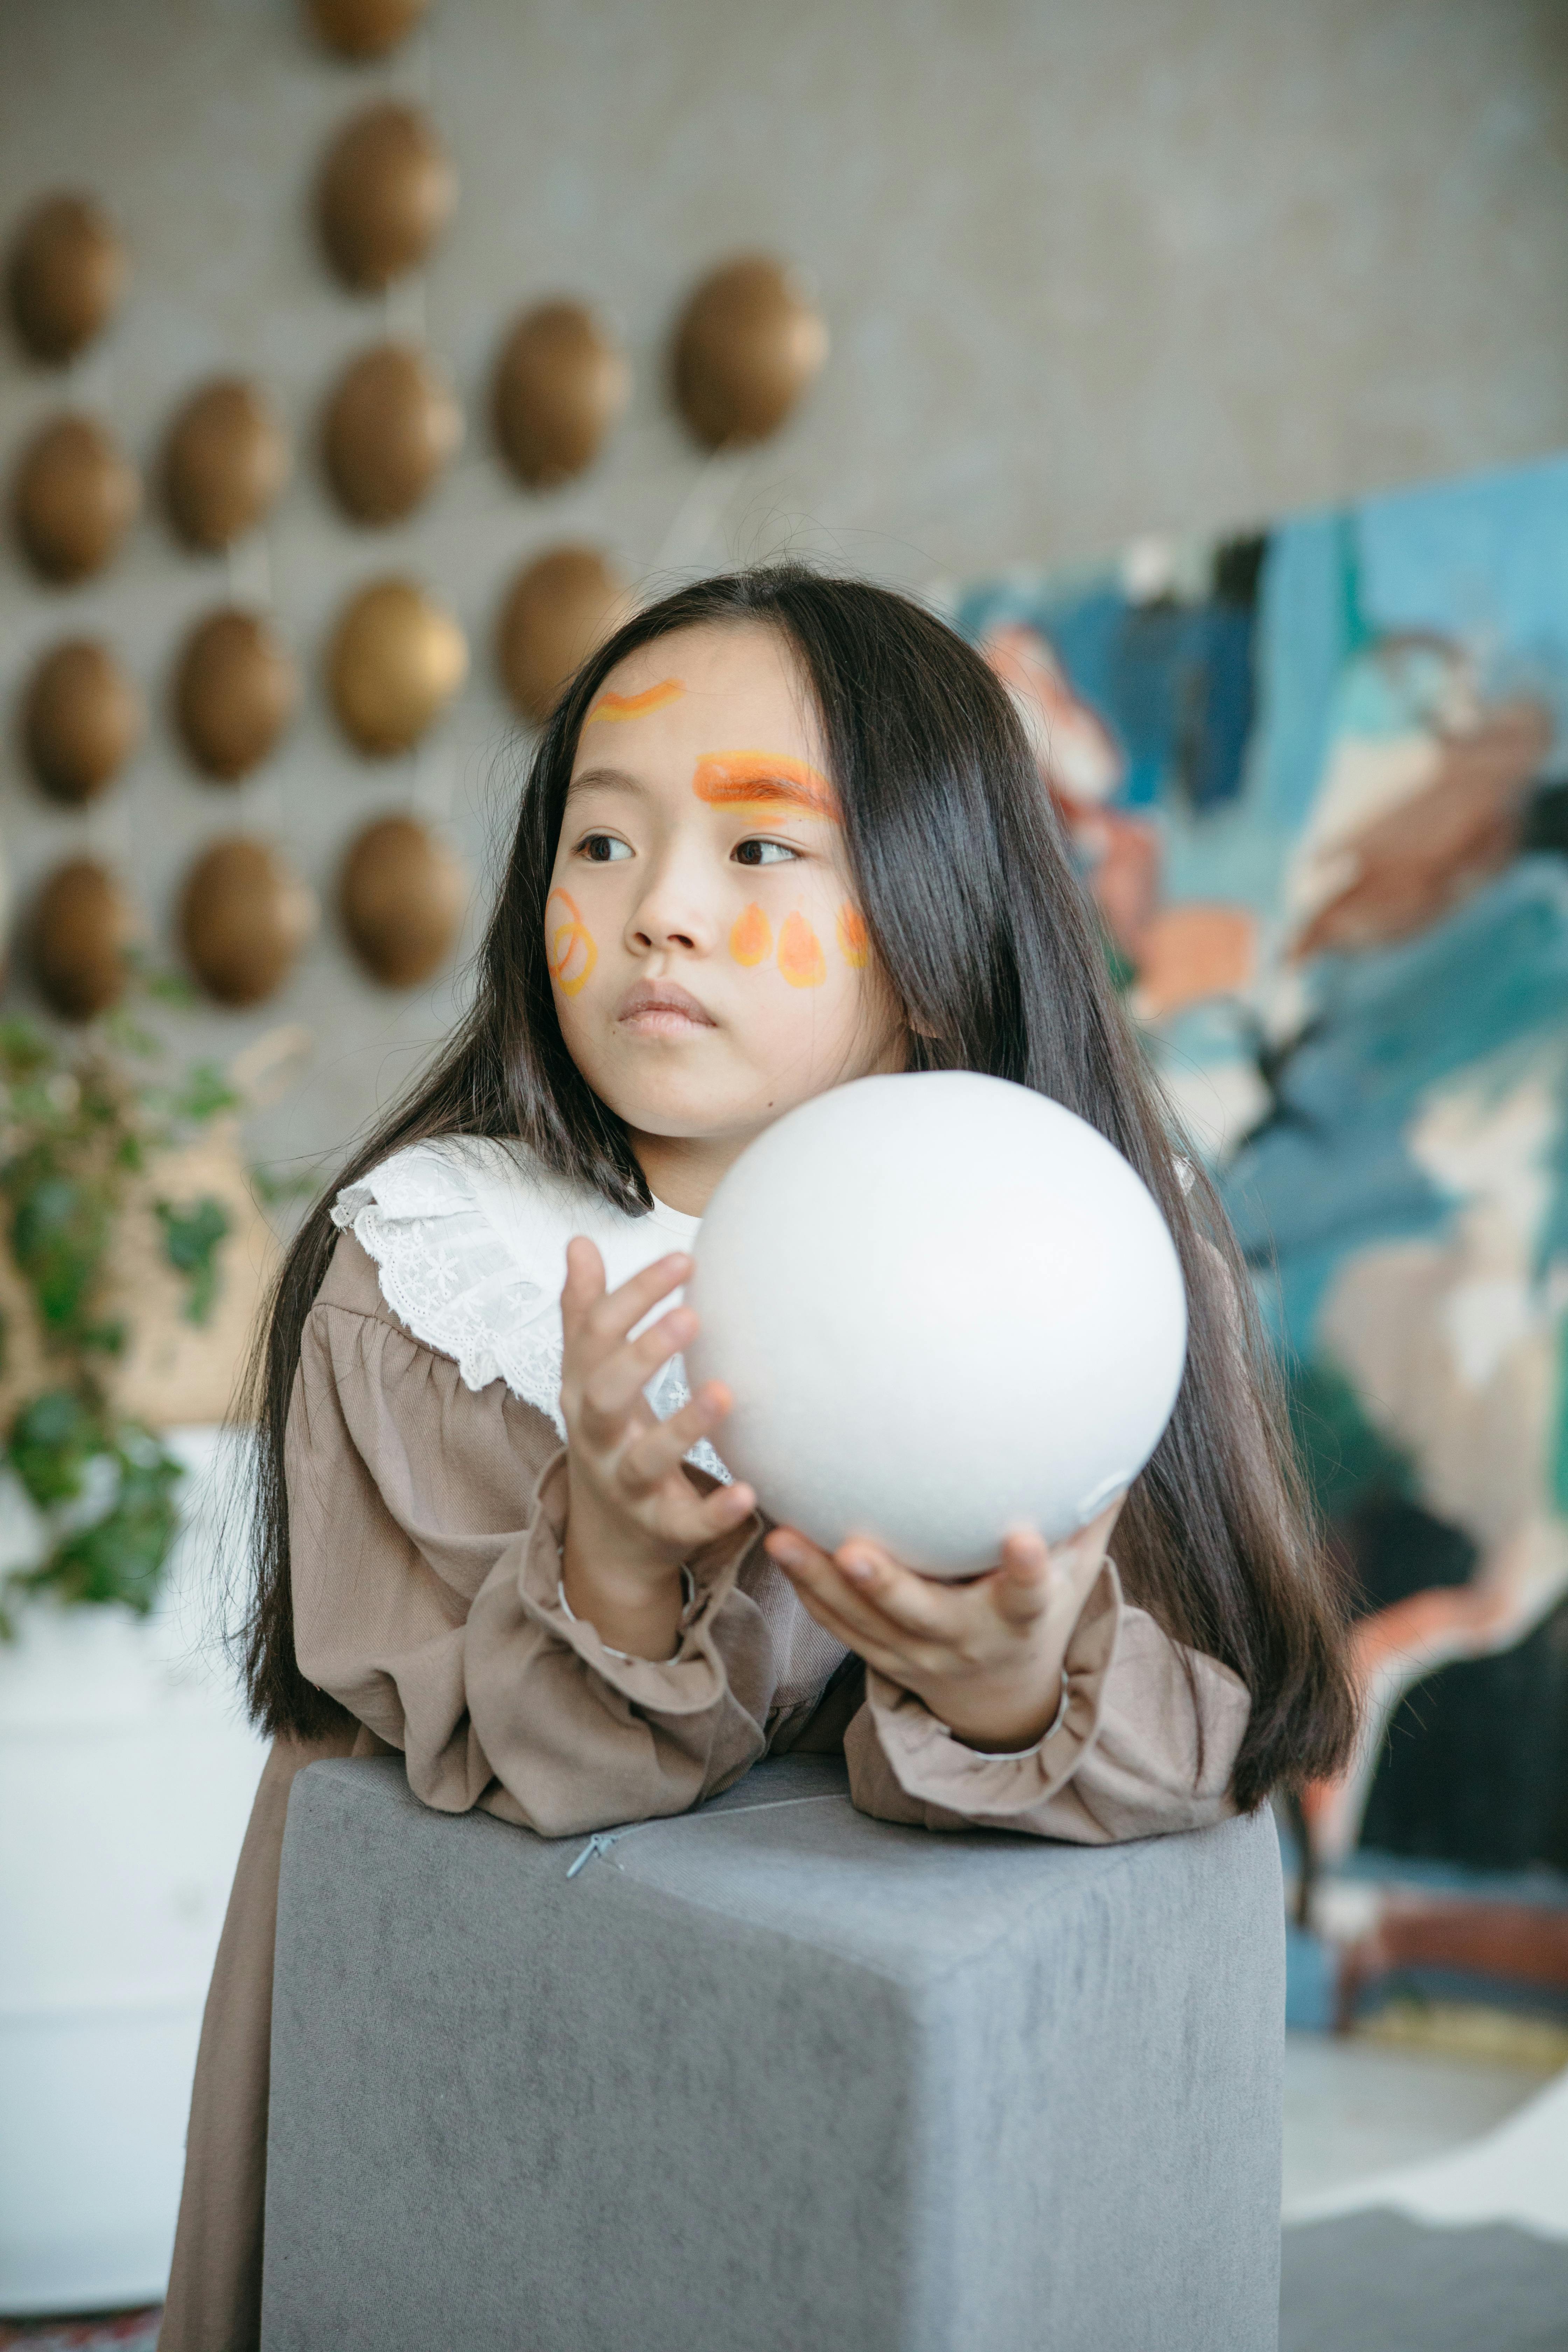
point(636, 706)
point(768, 781)
point(570, 948)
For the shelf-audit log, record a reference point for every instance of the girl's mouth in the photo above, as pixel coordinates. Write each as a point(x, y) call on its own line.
point(658, 1008)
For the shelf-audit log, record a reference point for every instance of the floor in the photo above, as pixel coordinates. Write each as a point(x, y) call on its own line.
point(1358, 2106)
point(1353, 2107)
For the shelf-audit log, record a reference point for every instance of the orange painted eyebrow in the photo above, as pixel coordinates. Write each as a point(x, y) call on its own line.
point(763, 780)
point(636, 706)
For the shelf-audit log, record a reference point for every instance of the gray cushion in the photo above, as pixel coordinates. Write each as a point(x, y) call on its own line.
point(768, 2077)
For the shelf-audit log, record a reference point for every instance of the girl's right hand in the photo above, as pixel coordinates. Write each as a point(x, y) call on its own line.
point(634, 1517)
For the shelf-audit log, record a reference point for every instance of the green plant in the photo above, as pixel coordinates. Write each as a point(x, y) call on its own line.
point(76, 1130)
point(191, 1237)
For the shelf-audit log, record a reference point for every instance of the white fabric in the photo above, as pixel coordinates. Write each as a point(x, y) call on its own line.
point(468, 1235)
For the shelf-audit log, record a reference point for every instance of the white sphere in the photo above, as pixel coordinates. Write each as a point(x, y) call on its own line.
point(945, 1306)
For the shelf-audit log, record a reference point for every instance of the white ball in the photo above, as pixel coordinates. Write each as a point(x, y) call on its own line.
point(946, 1306)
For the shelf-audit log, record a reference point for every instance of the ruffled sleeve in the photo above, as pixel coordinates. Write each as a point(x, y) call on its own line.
point(1145, 1743)
point(426, 1520)
point(468, 1235)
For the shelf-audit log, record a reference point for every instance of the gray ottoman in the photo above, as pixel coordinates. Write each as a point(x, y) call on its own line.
point(770, 2077)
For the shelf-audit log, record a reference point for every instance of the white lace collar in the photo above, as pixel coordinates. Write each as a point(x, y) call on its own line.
point(468, 1235)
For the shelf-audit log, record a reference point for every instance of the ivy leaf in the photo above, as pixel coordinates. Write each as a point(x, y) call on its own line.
point(59, 1231)
point(52, 1441)
point(24, 1049)
point(190, 1239)
point(170, 987)
point(77, 1127)
point(122, 1556)
point(131, 1037)
point(205, 1092)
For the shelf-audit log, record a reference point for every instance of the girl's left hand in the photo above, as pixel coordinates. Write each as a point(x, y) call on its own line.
point(986, 1656)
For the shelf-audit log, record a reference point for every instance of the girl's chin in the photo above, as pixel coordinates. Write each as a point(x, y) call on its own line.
point(683, 1122)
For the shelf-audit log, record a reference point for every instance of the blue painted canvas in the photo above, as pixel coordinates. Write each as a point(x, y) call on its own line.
point(1317, 780)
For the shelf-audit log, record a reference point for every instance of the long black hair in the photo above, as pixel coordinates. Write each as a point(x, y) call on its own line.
point(992, 953)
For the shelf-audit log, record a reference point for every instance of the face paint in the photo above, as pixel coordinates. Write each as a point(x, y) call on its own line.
point(569, 946)
point(801, 959)
point(853, 943)
point(751, 939)
point(768, 781)
point(636, 706)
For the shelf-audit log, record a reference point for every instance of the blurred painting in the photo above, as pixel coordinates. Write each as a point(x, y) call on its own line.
point(1317, 781)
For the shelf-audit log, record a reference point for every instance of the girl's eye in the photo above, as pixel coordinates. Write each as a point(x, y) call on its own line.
point(601, 848)
point(764, 853)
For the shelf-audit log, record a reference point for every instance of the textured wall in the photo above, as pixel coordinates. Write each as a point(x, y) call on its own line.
point(1090, 269)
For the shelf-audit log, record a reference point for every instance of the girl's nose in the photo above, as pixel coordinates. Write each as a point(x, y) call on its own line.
point(670, 916)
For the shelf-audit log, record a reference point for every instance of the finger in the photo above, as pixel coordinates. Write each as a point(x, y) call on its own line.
point(688, 1521)
point(611, 1316)
point(819, 1580)
point(792, 1551)
point(584, 1282)
point(652, 1456)
point(865, 1644)
point(818, 1576)
point(721, 1512)
point(915, 1604)
point(1021, 1589)
point(615, 1385)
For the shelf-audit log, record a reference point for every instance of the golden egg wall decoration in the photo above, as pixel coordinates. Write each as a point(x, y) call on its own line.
point(245, 917)
point(366, 28)
point(393, 426)
point(397, 659)
point(403, 894)
point(559, 608)
point(83, 921)
point(562, 384)
point(235, 690)
point(750, 343)
point(74, 498)
point(387, 190)
point(67, 273)
point(226, 463)
point(83, 718)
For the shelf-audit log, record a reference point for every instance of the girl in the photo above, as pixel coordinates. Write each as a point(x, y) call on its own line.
point(782, 832)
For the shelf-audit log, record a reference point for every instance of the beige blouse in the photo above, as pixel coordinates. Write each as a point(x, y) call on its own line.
point(426, 1523)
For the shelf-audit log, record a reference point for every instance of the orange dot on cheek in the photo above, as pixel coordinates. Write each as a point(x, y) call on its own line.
point(853, 943)
point(751, 939)
point(801, 959)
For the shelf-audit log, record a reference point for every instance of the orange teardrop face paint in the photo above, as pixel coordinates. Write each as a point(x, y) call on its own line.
point(801, 959)
point(853, 944)
point(636, 706)
point(751, 939)
point(767, 782)
point(569, 946)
